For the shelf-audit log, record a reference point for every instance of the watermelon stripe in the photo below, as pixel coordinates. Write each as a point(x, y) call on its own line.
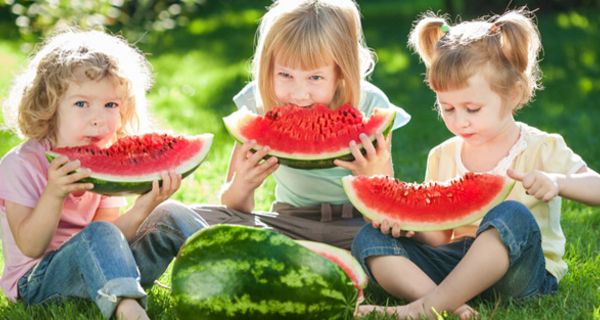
point(233, 272)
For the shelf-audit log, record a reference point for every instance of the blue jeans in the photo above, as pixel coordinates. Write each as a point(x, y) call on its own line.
point(518, 230)
point(99, 264)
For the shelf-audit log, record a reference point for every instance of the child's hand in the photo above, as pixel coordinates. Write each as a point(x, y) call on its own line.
point(395, 229)
point(62, 178)
point(250, 170)
point(170, 184)
point(544, 186)
point(377, 160)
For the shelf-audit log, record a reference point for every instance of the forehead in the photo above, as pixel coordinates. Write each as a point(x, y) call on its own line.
point(477, 87)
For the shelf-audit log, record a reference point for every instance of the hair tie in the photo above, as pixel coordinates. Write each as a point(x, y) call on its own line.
point(445, 28)
point(495, 28)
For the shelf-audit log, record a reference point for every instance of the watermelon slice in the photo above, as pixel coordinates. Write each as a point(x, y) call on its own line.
point(428, 206)
point(310, 137)
point(133, 162)
point(344, 259)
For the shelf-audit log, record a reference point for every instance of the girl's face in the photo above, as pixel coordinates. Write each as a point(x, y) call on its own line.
point(476, 113)
point(305, 87)
point(89, 113)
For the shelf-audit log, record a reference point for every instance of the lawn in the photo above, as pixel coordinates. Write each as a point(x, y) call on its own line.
point(199, 68)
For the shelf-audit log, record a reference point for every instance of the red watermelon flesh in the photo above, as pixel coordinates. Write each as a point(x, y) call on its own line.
point(427, 206)
point(299, 135)
point(133, 162)
point(344, 260)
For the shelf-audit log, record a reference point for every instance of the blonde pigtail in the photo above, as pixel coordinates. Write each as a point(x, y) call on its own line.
point(425, 35)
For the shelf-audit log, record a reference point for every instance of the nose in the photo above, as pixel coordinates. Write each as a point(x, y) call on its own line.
point(462, 119)
point(299, 93)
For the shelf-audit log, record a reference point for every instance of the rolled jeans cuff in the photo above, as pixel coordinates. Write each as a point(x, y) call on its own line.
point(109, 296)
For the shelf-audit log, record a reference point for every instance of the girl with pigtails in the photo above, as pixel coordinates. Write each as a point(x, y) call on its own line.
point(482, 72)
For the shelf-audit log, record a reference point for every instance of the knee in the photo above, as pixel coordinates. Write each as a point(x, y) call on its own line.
point(512, 213)
point(103, 231)
point(174, 214)
point(364, 238)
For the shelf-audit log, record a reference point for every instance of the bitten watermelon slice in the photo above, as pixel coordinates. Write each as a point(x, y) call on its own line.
point(428, 206)
point(237, 272)
point(310, 137)
point(133, 162)
point(344, 259)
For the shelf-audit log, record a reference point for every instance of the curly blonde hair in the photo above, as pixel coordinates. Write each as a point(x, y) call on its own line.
point(308, 34)
point(31, 107)
point(506, 47)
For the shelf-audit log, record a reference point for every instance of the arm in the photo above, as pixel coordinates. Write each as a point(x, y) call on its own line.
point(131, 220)
point(42, 220)
point(246, 172)
point(582, 186)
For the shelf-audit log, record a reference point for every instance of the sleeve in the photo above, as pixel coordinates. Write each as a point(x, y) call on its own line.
point(372, 97)
point(21, 180)
point(433, 163)
point(112, 202)
point(557, 157)
point(246, 97)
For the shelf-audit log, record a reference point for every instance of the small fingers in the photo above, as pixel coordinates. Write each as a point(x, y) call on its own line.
point(382, 142)
point(259, 155)
point(75, 187)
point(78, 175)
point(396, 231)
point(384, 227)
point(58, 162)
point(355, 150)
point(367, 144)
point(69, 167)
point(344, 164)
point(548, 196)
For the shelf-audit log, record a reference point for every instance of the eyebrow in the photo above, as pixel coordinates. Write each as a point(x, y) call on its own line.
point(78, 96)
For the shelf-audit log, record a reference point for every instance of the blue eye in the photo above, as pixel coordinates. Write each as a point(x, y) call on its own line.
point(316, 77)
point(112, 105)
point(80, 104)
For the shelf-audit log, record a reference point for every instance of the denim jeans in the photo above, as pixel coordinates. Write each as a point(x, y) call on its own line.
point(99, 264)
point(518, 230)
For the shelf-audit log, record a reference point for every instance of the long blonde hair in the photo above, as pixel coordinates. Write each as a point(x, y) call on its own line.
point(507, 46)
point(308, 34)
point(31, 107)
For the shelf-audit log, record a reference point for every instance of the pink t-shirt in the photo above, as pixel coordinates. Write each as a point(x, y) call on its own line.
point(23, 178)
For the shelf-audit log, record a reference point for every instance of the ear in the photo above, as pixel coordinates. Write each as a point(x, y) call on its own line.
point(517, 95)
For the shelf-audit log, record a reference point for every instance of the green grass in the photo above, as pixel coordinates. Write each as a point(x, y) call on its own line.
point(200, 68)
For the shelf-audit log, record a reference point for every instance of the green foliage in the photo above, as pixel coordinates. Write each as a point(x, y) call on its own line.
point(37, 18)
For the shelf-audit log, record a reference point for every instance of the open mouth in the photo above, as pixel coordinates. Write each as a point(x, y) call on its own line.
point(93, 140)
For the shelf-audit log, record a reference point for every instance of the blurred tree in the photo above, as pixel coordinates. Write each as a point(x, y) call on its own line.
point(36, 18)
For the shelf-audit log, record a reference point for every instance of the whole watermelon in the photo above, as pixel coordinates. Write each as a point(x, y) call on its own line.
point(237, 272)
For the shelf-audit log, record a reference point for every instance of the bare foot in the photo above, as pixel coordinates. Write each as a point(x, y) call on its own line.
point(465, 312)
point(130, 309)
point(409, 311)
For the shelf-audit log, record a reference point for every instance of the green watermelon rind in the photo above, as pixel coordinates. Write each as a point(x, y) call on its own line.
point(307, 161)
point(208, 265)
point(117, 185)
point(376, 216)
point(342, 257)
